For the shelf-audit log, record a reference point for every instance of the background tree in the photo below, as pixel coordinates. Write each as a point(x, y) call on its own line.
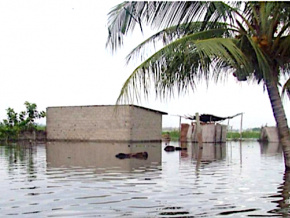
point(15, 123)
point(207, 40)
point(27, 118)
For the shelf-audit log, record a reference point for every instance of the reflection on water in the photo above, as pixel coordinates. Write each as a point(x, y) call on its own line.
point(209, 152)
point(64, 179)
point(101, 155)
point(270, 148)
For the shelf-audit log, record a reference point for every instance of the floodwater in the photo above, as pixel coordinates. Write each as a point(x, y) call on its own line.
point(63, 179)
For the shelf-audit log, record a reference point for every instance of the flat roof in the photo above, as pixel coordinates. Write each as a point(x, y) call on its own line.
point(130, 105)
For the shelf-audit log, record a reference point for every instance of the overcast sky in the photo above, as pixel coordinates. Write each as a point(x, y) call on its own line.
point(53, 53)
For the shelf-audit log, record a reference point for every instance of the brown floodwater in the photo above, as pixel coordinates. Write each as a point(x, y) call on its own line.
point(85, 179)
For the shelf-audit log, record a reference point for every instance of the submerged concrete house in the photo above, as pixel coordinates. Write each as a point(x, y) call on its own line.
point(269, 134)
point(210, 130)
point(211, 133)
point(104, 123)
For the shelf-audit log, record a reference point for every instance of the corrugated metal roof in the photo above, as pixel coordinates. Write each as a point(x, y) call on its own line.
point(208, 118)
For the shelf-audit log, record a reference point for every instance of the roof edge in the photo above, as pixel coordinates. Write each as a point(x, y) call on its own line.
point(120, 105)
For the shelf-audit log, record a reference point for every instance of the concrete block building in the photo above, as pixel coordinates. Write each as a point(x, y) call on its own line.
point(104, 123)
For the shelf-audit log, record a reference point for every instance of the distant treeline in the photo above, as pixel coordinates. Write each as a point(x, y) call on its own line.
point(253, 133)
point(15, 123)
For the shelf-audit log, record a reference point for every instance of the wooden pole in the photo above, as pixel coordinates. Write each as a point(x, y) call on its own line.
point(241, 126)
point(198, 130)
point(179, 128)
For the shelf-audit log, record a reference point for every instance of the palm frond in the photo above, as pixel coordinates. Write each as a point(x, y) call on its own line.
point(284, 48)
point(181, 64)
point(202, 39)
point(176, 32)
point(286, 88)
point(124, 17)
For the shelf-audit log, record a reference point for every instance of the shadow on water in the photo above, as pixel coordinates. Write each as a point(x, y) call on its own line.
point(102, 156)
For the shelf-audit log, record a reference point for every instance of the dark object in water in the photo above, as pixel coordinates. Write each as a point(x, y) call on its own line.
point(122, 156)
point(172, 148)
point(139, 155)
point(178, 148)
point(169, 148)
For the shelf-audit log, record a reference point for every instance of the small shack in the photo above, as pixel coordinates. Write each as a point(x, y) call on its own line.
point(269, 134)
point(211, 131)
point(129, 123)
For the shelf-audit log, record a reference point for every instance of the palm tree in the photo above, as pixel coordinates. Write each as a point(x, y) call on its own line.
point(286, 88)
point(207, 40)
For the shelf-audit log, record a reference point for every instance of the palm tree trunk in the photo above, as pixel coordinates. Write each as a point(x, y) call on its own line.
point(281, 120)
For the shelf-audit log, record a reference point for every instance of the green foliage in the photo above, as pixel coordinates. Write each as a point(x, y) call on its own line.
point(202, 40)
point(15, 123)
point(40, 127)
point(174, 134)
point(245, 135)
point(253, 133)
point(256, 129)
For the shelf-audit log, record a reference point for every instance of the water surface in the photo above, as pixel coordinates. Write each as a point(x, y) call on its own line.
point(62, 179)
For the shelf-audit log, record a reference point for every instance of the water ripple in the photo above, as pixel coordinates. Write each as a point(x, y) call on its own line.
point(226, 180)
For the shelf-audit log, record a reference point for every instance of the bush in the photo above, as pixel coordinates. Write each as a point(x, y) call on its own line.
point(174, 135)
point(15, 123)
point(245, 134)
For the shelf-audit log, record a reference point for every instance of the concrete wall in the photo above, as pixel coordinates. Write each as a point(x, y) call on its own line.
point(104, 123)
point(145, 124)
point(221, 133)
point(184, 132)
point(208, 132)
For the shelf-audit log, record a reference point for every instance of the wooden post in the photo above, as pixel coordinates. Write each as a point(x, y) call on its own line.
point(179, 128)
point(241, 155)
point(198, 131)
point(241, 126)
